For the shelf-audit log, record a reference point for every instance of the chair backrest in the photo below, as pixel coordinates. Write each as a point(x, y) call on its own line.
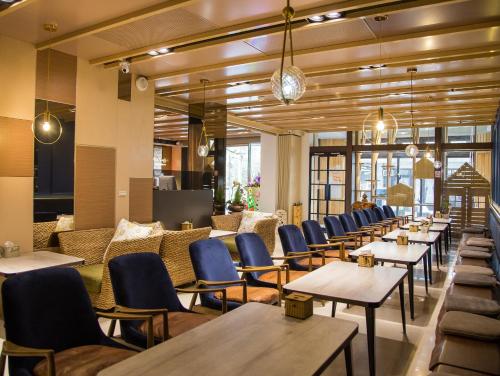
point(49, 309)
point(388, 211)
point(348, 222)
point(370, 215)
point(253, 252)
point(212, 261)
point(334, 226)
point(360, 218)
point(313, 233)
point(379, 213)
point(140, 280)
point(292, 239)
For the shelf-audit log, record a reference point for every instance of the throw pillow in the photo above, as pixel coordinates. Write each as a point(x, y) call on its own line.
point(250, 218)
point(65, 223)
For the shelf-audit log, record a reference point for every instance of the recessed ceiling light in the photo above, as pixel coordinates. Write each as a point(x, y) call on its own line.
point(153, 53)
point(164, 50)
point(333, 15)
point(316, 18)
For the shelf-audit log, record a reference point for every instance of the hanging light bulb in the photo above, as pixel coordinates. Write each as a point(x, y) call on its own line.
point(288, 84)
point(46, 127)
point(437, 165)
point(412, 150)
point(203, 149)
point(428, 154)
point(378, 122)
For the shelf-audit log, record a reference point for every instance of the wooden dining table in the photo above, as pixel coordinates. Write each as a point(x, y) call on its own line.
point(346, 282)
point(408, 255)
point(254, 339)
point(442, 228)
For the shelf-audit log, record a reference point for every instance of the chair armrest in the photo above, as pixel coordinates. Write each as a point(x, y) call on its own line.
point(356, 233)
point(130, 317)
point(341, 237)
point(221, 283)
point(278, 269)
point(148, 311)
point(329, 245)
point(11, 349)
point(195, 291)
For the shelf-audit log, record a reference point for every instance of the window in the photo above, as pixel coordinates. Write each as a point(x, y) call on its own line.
point(242, 165)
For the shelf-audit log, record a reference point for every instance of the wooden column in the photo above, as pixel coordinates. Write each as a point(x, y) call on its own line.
point(438, 181)
point(348, 174)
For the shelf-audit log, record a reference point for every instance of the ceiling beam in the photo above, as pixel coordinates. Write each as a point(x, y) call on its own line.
point(432, 57)
point(363, 94)
point(15, 7)
point(330, 48)
point(372, 81)
point(266, 26)
point(124, 19)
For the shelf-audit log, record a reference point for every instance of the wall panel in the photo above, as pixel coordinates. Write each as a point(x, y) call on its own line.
point(16, 147)
point(141, 200)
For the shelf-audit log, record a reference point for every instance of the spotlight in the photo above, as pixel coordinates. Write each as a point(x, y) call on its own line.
point(316, 19)
point(153, 53)
point(334, 15)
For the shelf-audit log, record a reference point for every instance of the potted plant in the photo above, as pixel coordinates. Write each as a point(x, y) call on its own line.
point(219, 201)
point(236, 204)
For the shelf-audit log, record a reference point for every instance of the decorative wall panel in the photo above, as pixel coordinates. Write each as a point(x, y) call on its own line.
point(16, 147)
point(141, 200)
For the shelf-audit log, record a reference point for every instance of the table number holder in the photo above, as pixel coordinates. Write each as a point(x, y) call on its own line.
point(402, 239)
point(366, 259)
point(298, 305)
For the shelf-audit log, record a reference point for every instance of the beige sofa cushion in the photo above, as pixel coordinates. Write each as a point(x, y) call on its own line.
point(480, 242)
point(473, 279)
point(469, 325)
point(475, 254)
point(472, 304)
point(473, 269)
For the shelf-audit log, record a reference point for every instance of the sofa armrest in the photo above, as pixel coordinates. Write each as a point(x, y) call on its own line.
point(230, 222)
point(266, 229)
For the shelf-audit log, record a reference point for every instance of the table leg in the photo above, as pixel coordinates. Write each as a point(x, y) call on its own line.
point(436, 252)
point(440, 250)
point(410, 291)
point(429, 264)
point(446, 241)
point(402, 304)
point(334, 308)
point(425, 274)
point(370, 334)
point(348, 359)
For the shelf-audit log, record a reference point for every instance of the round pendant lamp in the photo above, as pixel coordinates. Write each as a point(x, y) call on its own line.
point(46, 127)
point(288, 84)
point(412, 150)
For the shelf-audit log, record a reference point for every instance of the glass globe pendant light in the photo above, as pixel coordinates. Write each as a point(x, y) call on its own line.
point(288, 84)
point(203, 147)
point(46, 127)
point(379, 121)
point(412, 150)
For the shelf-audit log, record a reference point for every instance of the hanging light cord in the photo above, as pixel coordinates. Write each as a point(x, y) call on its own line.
point(47, 116)
point(288, 14)
point(203, 129)
point(411, 107)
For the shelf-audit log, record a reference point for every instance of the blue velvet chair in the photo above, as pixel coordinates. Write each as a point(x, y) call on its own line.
point(213, 266)
point(381, 217)
point(336, 232)
point(390, 214)
point(315, 239)
point(350, 226)
point(373, 220)
point(50, 325)
point(258, 265)
point(363, 222)
point(294, 244)
point(141, 284)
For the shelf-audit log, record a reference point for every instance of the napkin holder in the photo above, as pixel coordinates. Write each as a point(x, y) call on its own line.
point(298, 305)
point(9, 249)
point(438, 214)
point(402, 240)
point(186, 225)
point(366, 260)
point(413, 228)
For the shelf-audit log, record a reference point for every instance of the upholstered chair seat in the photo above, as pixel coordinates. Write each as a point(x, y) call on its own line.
point(84, 360)
point(178, 323)
point(264, 295)
point(272, 277)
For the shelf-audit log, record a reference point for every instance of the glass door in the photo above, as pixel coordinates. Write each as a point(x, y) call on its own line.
point(326, 185)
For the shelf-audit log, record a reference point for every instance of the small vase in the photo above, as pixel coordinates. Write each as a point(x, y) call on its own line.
point(235, 208)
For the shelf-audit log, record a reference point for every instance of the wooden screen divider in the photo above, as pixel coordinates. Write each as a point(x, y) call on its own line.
point(141, 200)
point(95, 175)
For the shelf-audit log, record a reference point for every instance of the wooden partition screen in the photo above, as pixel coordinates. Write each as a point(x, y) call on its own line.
point(95, 170)
point(141, 200)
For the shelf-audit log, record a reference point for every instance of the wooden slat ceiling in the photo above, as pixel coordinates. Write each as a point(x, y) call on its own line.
point(235, 44)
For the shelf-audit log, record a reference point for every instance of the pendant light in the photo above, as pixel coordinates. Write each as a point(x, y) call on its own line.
point(288, 84)
point(380, 121)
point(412, 150)
point(46, 127)
point(203, 148)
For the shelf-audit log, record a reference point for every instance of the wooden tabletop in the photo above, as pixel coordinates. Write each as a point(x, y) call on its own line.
point(434, 227)
point(416, 237)
point(255, 339)
point(392, 252)
point(436, 220)
point(34, 261)
point(221, 233)
point(349, 283)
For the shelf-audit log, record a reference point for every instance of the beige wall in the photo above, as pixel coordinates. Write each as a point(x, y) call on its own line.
point(17, 82)
point(104, 120)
